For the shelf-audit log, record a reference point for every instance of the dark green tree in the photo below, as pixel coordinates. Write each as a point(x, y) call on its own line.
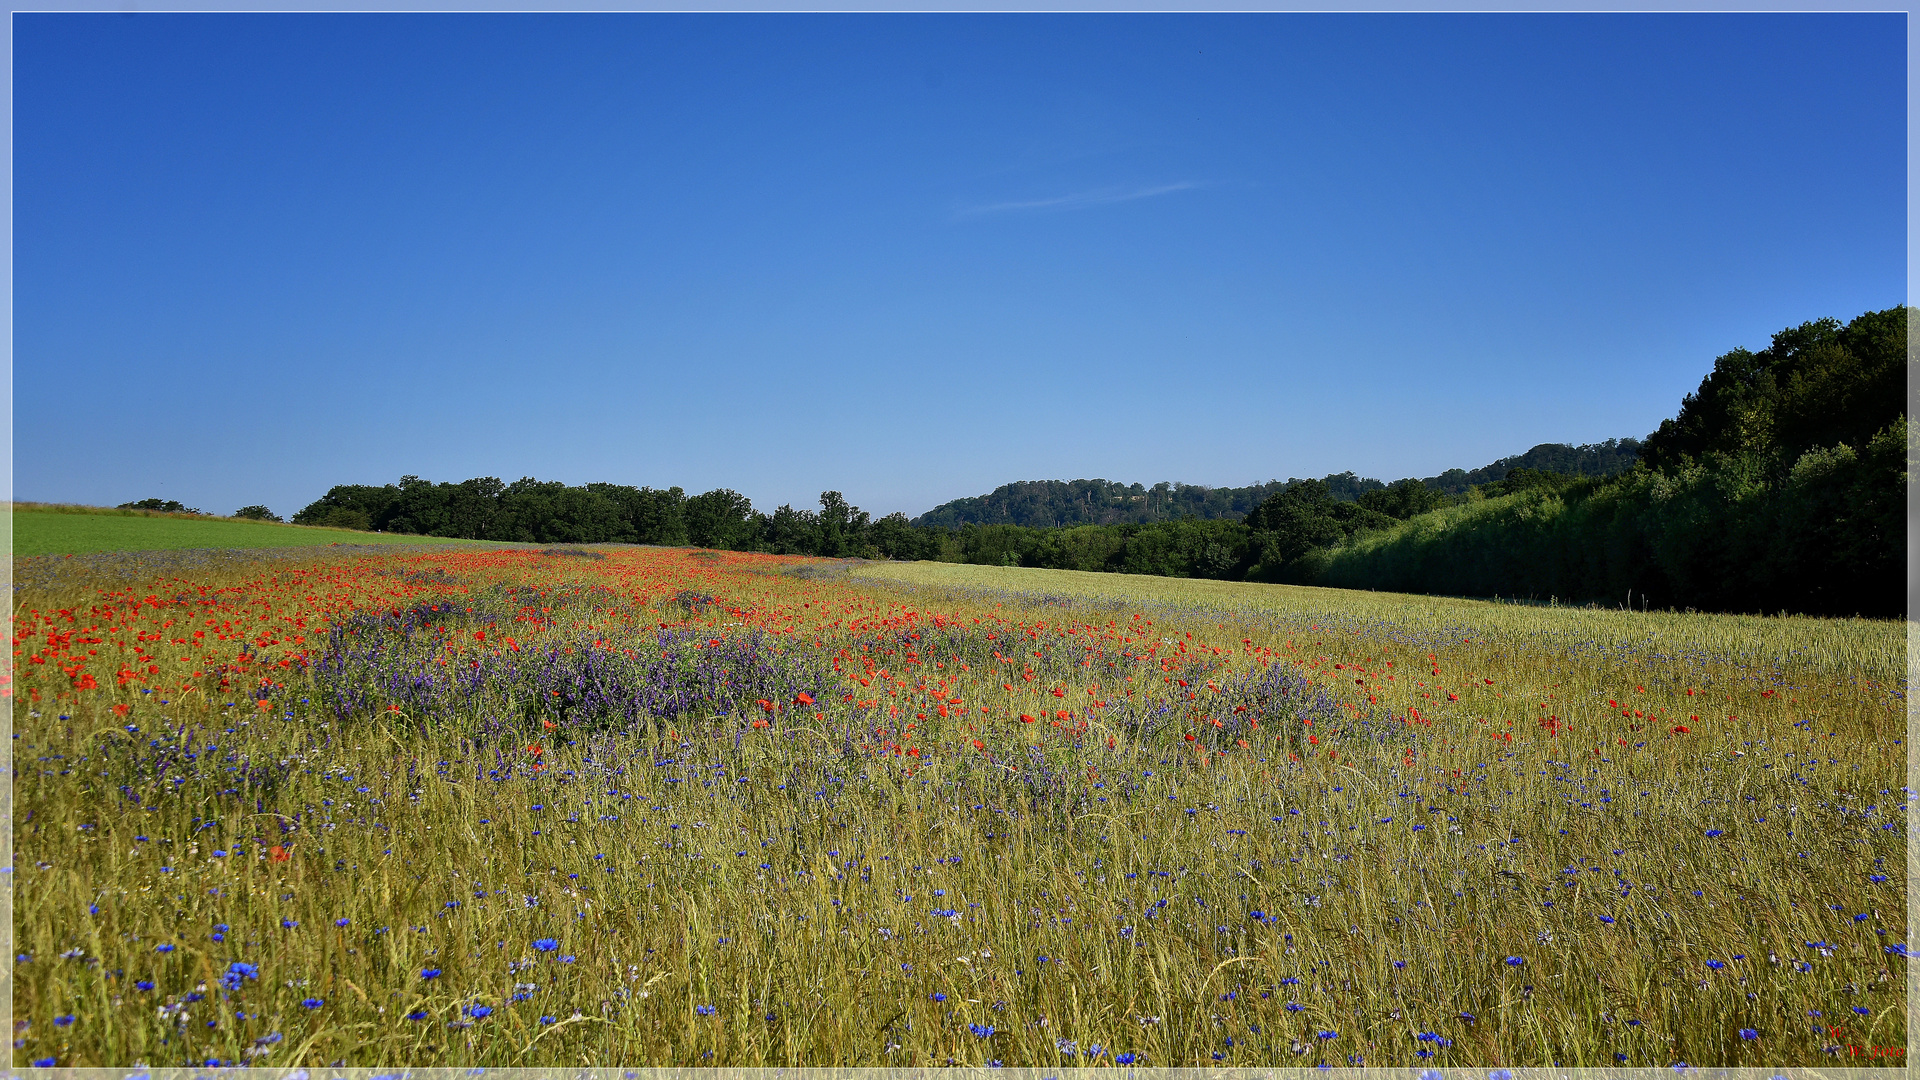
point(790, 532)
point(165, 506)
point(721, 518)
point(1818, 385)
point(1402, 499)
point(350, 506)
point(841, 526)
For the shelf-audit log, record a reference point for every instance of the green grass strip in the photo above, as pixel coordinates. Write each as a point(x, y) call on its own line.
point(66, 532)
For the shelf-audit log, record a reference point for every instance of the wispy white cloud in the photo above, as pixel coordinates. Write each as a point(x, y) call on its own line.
point(1081, 200)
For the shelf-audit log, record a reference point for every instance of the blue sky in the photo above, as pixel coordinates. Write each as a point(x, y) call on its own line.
point(913, 257)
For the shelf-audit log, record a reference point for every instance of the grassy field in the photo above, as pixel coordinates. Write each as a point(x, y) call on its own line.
point(63, 530)
point(640, 806)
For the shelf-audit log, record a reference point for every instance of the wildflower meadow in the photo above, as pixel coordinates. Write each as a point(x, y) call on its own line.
point(646, 806)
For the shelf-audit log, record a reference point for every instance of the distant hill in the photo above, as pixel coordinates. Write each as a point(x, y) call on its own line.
point(1609, 458)
point(1053, 503)
point(1047, 503)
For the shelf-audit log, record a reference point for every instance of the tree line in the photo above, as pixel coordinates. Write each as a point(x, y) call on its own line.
point(1780, 485)
point(1299, 516)
point(549, 512)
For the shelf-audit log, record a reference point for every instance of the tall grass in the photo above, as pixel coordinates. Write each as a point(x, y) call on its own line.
point(670, 824)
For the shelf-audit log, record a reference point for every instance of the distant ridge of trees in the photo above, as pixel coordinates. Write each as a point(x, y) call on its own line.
point(1039, 504)
point(1610, 458)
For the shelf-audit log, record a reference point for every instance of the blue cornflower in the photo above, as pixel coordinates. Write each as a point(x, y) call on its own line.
point(289, 923)
point(546, 1020)
point(143, 984)
point(44, 1063)
point(1713, 832)
point(937, 996)
point(546, 944)
point(479, 1012)
point(981, 1030)
point(312, 1003)
point(430, 973)
point(63, 1021)
point(1514, 961)
point(342, 922)
point(1715, 965)
point(1127, 1058)
point(1608, 919)
point(1500, 1074)
point(163, 948)
point(704, 1010)
point(417, 1014)
point(1329, 1034)
point(238, 971)
point(1749, 1033)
